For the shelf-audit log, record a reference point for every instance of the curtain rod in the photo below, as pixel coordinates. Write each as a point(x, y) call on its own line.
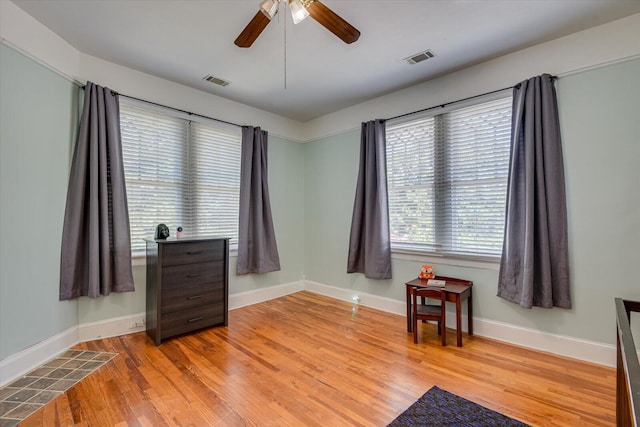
point(174, 109)
point(390, 118)
point(459, 100)
point(449, 103)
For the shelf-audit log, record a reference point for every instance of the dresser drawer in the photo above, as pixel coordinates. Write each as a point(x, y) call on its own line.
point(183, 321)
point(192, 296)
point(179, 276)
point(192, 252)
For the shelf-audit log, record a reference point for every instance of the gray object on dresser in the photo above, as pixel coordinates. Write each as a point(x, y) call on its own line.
point(187, 285)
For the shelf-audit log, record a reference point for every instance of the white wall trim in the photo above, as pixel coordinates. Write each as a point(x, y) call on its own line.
point(576, 348)
point(244, 299)
point(561, 345)
point(113, 327)
point(611, 41)
point(40, 62)
point(22, 362)
point(25, 34)
point(135, 322)
point(389, 305)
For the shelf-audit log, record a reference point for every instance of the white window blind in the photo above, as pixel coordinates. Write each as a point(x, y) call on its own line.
point(215, 181)
point(410, 180)
point(447, 178)
point(180, 173)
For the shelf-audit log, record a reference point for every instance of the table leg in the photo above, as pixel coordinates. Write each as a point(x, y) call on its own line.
point(409, 323)
point(470, 312)
point(458, 322)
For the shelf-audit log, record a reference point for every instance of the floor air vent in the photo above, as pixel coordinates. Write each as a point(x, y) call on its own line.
point(419, 57)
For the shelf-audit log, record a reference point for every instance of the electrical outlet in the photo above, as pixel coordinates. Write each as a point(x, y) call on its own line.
point(137, 324)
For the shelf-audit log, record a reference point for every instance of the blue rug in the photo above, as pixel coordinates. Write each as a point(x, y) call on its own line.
point(441, 408)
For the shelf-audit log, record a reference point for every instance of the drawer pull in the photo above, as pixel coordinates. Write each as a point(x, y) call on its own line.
point(194, 252)
point(195, 319)
point(195, 296)
point(194, 274)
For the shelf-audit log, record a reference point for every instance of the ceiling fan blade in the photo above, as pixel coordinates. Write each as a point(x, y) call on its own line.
point(333, 22)
point(252, 30)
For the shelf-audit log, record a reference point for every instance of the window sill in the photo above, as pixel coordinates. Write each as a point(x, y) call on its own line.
point(486, 263)
point(139, 259)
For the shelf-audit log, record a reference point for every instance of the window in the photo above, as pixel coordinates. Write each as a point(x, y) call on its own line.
point(179, 172)
point(447, 180)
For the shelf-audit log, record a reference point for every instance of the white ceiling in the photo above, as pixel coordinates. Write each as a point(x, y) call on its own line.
point(184, 40)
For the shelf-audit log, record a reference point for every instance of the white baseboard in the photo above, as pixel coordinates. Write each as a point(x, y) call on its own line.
point(113, 327)
point(24, 361)
point(243, 299)
point(20, 363)
point(575, 348)
point(389, 305)
point(135, 322)
point(589, 351)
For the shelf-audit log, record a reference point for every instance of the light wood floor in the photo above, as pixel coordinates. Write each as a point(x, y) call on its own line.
point(306, 360)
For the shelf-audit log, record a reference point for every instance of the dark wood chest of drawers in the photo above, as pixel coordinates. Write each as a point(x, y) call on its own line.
point(187, 285)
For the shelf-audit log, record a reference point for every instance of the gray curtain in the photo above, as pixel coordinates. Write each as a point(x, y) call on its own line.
point(534, 269)
point(96, 245)
point(369, 243)
point(257, 248)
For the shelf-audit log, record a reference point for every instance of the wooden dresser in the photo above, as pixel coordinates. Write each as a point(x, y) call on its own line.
point(187, 285)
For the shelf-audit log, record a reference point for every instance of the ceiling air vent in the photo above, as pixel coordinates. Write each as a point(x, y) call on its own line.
point(419, 57)
point(216, 80)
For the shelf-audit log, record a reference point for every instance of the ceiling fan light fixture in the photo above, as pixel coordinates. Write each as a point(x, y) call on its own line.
point(269, 8)
point(298, 11)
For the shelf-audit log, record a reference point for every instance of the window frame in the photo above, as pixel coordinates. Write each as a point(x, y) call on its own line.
point(430, 253)
point(139, 255)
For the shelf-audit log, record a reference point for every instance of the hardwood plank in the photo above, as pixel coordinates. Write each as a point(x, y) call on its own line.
point(306, 359)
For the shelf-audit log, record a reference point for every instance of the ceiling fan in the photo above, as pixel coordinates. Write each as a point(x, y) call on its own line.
point(300, 9)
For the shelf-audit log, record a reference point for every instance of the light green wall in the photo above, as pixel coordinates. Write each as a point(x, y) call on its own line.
point(601, 139)
point(286, 186)
point(115, 304)
point(38, 120)
point(600, 113)
point(331, 169)
point(312, 188)
point(286, 190)
point(37, 124)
